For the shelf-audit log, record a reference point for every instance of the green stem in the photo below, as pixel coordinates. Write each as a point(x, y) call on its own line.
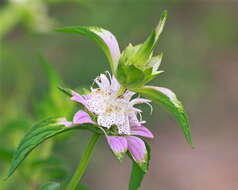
point(83, 163)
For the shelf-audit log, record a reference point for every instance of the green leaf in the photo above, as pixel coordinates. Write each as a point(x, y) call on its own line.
point(50, 186)
point(137, 174)
point(105, 39)
point(168, 99)
point(38, 134)
point(66, 91)
point(69, 92)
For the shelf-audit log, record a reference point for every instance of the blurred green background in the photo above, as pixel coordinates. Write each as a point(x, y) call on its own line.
point(200, 46)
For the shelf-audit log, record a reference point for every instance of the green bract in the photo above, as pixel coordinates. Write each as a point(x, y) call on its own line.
point(139, 61)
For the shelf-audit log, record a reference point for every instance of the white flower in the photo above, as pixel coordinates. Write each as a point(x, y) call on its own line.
point(111, 108)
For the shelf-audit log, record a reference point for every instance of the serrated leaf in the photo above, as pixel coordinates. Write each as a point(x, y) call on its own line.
point(105, 39)
point(137, 174)
point(38, 134)
point(168, 99)
point(50, 186)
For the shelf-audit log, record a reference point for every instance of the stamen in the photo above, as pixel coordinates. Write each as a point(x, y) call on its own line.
point(113, 110)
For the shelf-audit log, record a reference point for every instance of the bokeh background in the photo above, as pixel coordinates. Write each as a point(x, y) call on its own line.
point(200, 46)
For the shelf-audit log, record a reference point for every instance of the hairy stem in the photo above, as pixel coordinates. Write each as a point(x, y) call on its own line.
point(83, 163)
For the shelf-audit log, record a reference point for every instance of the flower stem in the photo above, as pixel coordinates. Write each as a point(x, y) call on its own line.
point(83, 163)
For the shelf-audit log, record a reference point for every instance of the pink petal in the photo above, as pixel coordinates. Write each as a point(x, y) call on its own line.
point(139, 101)
point(133, 118)
point(137, 148)
point(128, 95)
point(141, 131)
point(111, 42)
point(103, 82)
point(115, 86)
point(78, 98)
point(118, 145)
point(82, 117)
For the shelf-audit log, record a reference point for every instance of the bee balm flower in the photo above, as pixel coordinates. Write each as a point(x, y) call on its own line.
point(116, 115)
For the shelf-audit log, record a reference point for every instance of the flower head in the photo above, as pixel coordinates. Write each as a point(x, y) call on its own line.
point(116, 115)
point(110, 107)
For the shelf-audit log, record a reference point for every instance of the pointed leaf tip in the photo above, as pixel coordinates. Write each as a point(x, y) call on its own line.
point(67, 91)
point(160, 26)
point(168, 99)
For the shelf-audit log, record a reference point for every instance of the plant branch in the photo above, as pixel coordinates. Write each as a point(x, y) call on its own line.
point(83, 163)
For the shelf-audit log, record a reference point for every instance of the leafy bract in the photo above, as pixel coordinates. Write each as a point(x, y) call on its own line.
point(130, 76)
point(136, 65)
point(146, 49)
point(168, 99)
point(105, 39)
point(137, 174)
point(38, 134)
